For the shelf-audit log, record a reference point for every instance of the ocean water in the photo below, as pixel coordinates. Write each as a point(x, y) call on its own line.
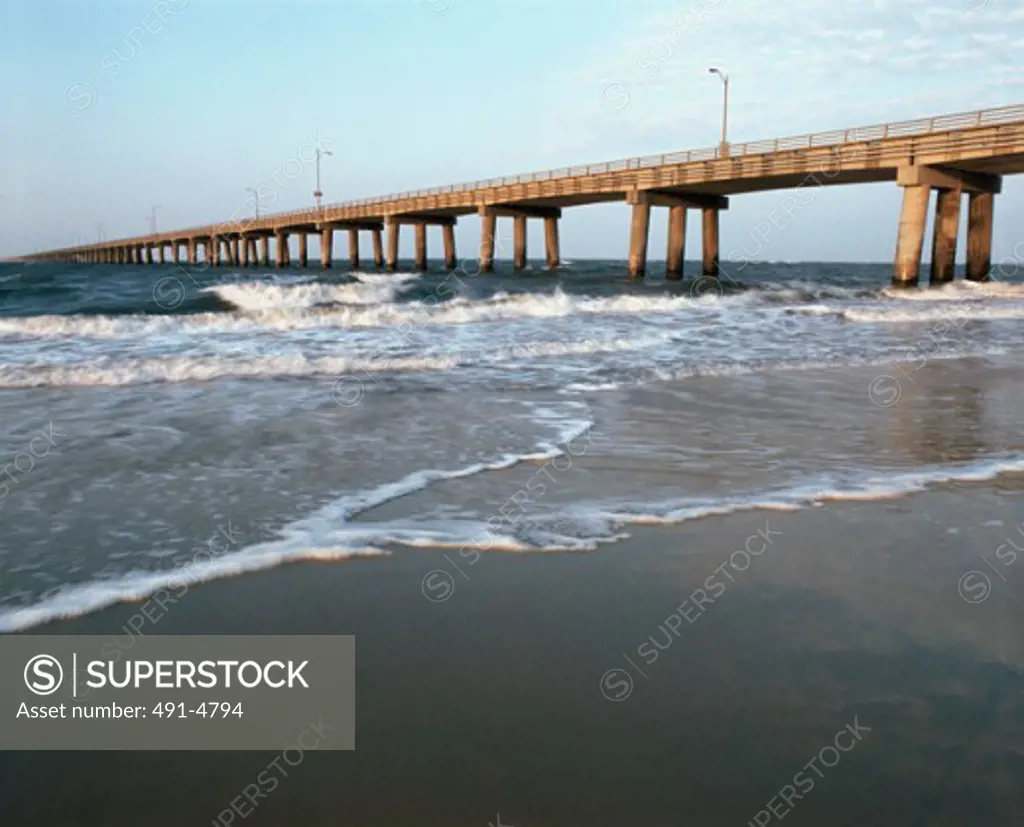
point(161, 425)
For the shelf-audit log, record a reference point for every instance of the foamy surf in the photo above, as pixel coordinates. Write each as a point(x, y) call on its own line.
point(817, 491)
point(132, 587)
point(204, 369)
point(312, 307)
point(326, 535)
point(369, 288)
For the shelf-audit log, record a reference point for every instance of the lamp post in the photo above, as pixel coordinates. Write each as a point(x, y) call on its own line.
point(255, 202)
point(152, 218)
point(317, 194)
point(725, 108)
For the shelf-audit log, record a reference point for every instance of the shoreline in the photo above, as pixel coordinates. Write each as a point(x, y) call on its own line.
point(495, 699)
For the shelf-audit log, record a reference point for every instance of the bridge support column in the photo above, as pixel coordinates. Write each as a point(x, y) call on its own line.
point(913, 217)
point(519, 261)
point(243, 252)
point(149, 254)
point(710, 237)
point(326, 247)
point(253, 255)
point(303, 251)
point(676, 242)
point(421, 247)
point(193, 256)
point(551, 242)
point(488, 234)
point(638, 234)
point(947, 227)
point(281, 249)
point(393, 228)
point(448, 234)
point(353, 248)
point(378, 249)
point(979, 235)
point(213, 251)
point(265, 250)
point(160, 253)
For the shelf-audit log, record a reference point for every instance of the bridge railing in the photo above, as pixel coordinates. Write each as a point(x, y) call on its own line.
point(900, 129)
point(835, 137)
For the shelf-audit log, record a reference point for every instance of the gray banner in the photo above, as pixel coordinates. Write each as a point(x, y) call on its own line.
point(169, 692)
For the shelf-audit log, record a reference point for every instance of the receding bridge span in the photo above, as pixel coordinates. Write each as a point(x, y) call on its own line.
point(964, 153)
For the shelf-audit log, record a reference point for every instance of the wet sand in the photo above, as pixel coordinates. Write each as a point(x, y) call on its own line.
point(496, 700)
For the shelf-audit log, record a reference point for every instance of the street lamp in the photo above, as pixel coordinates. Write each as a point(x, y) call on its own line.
point(255, 201)
point(317, 194)
point(725, 108)
point(152, 218)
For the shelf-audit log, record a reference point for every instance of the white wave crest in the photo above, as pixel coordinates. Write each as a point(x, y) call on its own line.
point(260, 296)
point(960, 290)
point(317, 307)
point(121, 372)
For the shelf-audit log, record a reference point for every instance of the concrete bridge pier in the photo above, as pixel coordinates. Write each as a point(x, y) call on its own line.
point(519, 243)
point(378, 249)
point(326, 247)
point(710, 265)
point(677, 203)
point(421, 248)
point(213, 251)
point(917, 182)
point(551, 243)
point(676, 243)
point(281, 249)
point(639, 232)
point(488, 234)
point(979, 235)
point(448, 231)
point(394, 229)
point(233, 252)
point(946, 228)
point(910, 238)
point(160, 253)
point(192, 255)
point(353, 248)
point(265, 250)
point(253, 256)
point(243, 251)
point(303, 250)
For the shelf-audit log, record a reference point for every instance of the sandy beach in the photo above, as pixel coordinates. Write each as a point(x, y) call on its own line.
point(499, 699)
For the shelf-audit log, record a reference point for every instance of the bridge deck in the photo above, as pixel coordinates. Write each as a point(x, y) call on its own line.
point(985, 143)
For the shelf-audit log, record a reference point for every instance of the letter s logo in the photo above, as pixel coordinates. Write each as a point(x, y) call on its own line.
point(43, 674)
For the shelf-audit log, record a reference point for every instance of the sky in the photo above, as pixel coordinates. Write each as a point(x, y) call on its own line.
point(112, 108)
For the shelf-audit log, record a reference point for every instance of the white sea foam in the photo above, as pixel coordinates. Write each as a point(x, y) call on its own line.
point(261, 296)
point(84, 598)
point(960, 290)
point(122, 372)
point(955, 315)
point(304, 311)
point(326, 535)
point(858, 488)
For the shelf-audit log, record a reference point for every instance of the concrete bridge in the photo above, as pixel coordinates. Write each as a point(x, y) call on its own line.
point(955, 155)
